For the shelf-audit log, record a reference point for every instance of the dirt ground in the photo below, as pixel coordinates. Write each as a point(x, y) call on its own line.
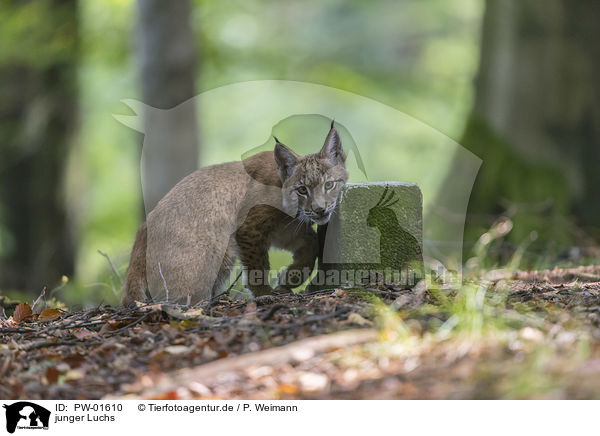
point(542, 340)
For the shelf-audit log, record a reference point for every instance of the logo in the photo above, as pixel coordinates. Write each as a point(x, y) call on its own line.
point(26, 415)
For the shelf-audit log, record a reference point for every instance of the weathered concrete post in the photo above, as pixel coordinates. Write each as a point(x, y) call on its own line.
point(375, 235)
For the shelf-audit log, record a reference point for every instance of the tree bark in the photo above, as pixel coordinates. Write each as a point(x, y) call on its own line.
point(536, 118)
point(168, 60)
point(38, 116)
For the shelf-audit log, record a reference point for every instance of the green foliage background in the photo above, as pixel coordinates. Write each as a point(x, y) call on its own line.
point(418, 57)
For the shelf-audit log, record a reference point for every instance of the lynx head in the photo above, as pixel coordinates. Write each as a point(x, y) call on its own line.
point(312, 183)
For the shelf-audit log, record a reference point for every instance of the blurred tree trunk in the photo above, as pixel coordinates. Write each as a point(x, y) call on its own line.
point(38, 116)
point(168, 57)
point(536, 118)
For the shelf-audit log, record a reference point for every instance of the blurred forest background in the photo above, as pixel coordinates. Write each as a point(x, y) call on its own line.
point(514, 81)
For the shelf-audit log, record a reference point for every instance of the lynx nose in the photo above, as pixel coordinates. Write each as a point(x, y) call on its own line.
point(319, 211)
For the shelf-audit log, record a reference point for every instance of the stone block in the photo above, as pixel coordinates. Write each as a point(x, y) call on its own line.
point(377, 232)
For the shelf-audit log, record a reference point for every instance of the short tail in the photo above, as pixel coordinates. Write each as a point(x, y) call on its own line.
point(136, 283)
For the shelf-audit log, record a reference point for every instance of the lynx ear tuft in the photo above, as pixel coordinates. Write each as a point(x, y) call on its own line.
point(332, 148)
point(285, 159)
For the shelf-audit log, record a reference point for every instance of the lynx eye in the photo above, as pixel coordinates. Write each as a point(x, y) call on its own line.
point(329, 185)
point(302, 190)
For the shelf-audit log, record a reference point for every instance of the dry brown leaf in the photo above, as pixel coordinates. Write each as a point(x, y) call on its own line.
point(355, 318)
point(108, 326)
point(83, 333)
point(52, 374)
point(49, 315)
point(22, 313)
point(287, 389)
point(74, 360)
point(187, 315)
point(340, 292)
point(171, 395)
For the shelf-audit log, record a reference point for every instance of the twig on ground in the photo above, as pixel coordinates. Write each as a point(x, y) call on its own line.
point(272, 312)
point(318, 318)
point(16, 330)
point(216, 297)
point(311, 319)
point(45, 344)
point(137, 321)
point(42, 294)
point(164, 281)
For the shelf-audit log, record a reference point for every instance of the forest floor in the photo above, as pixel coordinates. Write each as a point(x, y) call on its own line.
point(527, 335)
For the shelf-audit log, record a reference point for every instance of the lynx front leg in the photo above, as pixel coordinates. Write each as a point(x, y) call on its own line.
point(254, 255)
point(304, 248)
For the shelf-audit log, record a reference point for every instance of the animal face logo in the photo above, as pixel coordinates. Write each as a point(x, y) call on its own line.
point(24, 414)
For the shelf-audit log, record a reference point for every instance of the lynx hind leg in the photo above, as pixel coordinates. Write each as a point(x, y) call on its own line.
point(136, 284)
point(225, 270)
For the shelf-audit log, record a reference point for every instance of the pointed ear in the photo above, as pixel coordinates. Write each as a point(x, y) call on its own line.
point(332, 149)
point(285, 159)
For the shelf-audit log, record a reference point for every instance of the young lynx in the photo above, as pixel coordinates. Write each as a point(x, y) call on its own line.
point(217, 214)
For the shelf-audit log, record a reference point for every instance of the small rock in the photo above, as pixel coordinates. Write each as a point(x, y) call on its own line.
point(531, 334)
point(262, 371)
point(177, 349)
point(313, 382)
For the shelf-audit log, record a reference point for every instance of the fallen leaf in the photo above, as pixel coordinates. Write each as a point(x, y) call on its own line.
point(186, 315)
point(73, 375)
point(199, 389)
point(255, 373)
point(49, 315)
point(340, 292)
point(355, 318)
point(52, 374)
point(83, 333)
point(177, 349)
point(109, 326)
point(22, 313)
point(171, 395)
point(74, 360)
point(313, 382)
point(288, 389)
point(208, 353)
